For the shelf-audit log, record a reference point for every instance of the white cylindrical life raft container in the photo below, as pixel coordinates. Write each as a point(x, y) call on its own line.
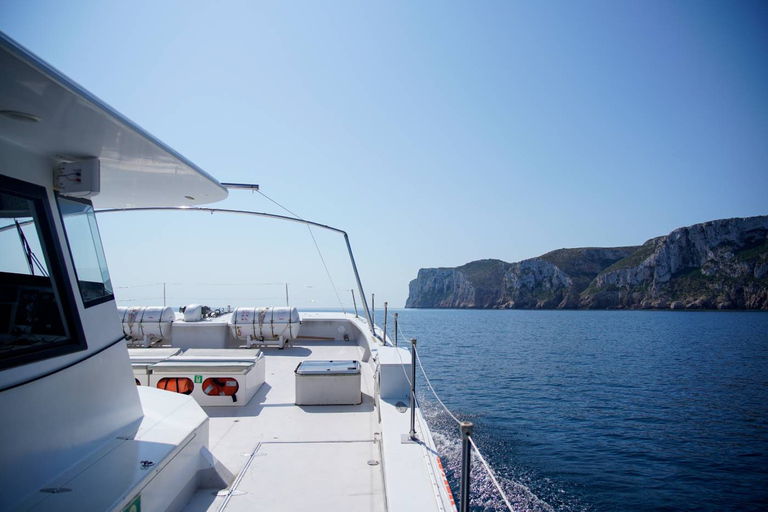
point(265, 325)
point(193, 313)
point(146, 325)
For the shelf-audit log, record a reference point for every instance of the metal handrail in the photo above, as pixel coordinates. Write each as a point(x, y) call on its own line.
point(412, 433)
point(467, 443)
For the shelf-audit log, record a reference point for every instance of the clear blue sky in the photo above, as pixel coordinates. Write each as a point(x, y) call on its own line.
point(435, 133)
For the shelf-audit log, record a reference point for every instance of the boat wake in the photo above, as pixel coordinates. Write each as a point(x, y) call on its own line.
point(517, 483)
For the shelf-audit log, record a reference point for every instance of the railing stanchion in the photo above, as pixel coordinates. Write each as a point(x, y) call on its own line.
point(465, 428)
point(384, 339)
point(354, 302)
point(412, 433)
point(373, 314)
point(395, 329)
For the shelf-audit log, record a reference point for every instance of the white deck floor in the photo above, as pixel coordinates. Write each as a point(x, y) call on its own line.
point(292, 457)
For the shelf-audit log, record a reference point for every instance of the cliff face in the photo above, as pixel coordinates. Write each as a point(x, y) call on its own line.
point(719, 264)
point(556, 279)
point(536, 283)
point(474, 285)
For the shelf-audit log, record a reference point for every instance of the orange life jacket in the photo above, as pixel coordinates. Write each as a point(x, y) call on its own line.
point(221, 387)
point(177, 385)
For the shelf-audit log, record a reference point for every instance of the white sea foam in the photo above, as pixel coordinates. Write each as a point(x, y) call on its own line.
point(483, 492)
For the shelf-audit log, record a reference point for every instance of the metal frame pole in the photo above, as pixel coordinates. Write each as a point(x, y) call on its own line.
point(257, 214)
point(359, 284)
point(395, 329)
point(466, 429)
point(384, 339)
point(373, 312)
point(412, 433)
point(354, 302)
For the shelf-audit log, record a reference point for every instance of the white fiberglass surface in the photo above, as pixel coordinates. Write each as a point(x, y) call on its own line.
point(334, 476)
point(321, 367)
point(280, 434)
point(136, 168)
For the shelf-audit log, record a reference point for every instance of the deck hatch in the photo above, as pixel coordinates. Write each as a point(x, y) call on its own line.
point(348, 367)
point(346, 483)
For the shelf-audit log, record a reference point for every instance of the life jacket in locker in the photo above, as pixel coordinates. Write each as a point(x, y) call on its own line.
point(222, 386)
point(177, 385)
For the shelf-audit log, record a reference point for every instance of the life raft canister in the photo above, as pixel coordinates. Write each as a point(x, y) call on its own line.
point(221, 386)
point(177, 385)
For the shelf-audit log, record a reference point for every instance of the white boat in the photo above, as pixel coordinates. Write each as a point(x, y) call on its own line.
point(258, 408)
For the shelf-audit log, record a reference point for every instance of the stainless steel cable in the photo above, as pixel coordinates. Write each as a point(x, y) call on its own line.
point(429, 384)
point(402, 365)
point(338, 297)
point(477, 450)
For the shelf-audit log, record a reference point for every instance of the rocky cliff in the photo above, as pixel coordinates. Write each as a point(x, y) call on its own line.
point(553, 280)
point(721, 264)
point(475, 285)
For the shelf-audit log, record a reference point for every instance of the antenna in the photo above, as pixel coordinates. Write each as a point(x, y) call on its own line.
point(240, 186)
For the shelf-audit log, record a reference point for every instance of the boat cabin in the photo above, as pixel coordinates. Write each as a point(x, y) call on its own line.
point(142, 408)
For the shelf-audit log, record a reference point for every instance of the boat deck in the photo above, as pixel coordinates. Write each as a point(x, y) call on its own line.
point(290, 457)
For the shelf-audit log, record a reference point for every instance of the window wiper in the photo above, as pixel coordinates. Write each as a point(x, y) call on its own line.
point(32, 260)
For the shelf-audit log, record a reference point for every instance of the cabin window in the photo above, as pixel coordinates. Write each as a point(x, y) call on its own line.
point(86, 249)
point(36, 314)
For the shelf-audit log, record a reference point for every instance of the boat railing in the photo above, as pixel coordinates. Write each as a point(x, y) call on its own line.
point(466, 430)
point(310, 224)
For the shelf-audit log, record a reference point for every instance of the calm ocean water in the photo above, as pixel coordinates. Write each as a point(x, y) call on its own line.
point(603, 410)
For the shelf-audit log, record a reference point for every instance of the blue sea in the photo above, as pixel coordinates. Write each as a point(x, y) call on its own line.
point(601, 410)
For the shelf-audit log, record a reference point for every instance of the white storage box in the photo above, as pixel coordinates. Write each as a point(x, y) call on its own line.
point(328, 383)
point(211, 381)
point(211, 332)
point(142, 360)
point(219, 354)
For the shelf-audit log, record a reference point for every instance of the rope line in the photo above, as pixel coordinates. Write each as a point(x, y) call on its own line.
point(338, 297)
point(490, 473)
point(402, 365)
point(429, 384)
point(477, 450)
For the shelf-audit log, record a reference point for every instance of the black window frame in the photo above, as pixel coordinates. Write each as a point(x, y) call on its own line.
point(57, 270)
point(92, 302)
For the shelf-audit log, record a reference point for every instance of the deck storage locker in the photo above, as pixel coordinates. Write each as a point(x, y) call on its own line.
point(218, 354)
point(212, 380)
point(328, 383)
point(142, 360)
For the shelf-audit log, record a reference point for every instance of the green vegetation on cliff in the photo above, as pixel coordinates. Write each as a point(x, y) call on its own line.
point(636, 258)
point(717, 264)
